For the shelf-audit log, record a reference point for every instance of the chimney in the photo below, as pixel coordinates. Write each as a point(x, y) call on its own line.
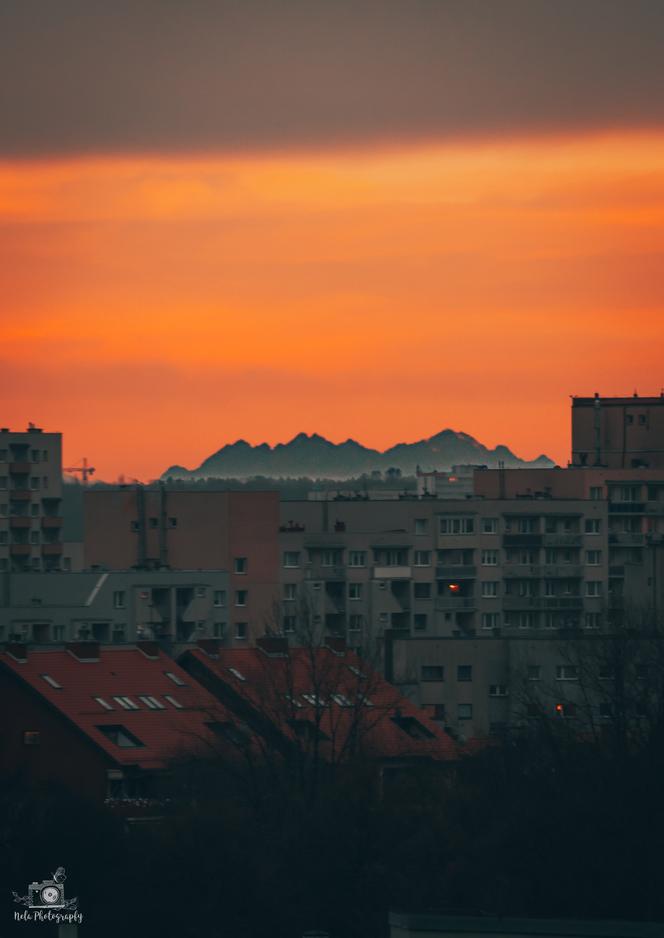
point(149, 649)
point(210, 646)
point(18, 651)
point(272, 645)
point(336, 644)
point(83, 651)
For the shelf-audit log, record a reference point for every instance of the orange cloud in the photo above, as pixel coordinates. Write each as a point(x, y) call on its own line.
point(154, 309)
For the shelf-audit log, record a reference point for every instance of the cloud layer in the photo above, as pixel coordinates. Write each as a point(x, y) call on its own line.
point(93, 76)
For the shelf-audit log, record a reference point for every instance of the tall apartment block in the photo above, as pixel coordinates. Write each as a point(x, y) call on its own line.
point(618, 432)
point(143, 528)
point(30, 500)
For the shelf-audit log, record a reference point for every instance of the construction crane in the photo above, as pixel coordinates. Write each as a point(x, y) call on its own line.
point(84, 469)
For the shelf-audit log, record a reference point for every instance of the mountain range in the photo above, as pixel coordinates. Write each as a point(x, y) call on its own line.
point(316, 457)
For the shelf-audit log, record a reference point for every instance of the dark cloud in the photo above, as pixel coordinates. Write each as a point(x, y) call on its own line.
point(81, 76)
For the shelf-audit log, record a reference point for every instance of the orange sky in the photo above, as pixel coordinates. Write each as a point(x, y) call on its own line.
point(156, 308)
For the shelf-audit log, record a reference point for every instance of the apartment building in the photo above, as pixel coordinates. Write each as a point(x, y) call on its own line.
point(30, 500)
point(618, 432)
point(157, 528)
point(118, 606)
point(444, 567)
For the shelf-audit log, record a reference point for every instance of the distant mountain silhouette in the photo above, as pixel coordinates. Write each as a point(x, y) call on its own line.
point(316, 457)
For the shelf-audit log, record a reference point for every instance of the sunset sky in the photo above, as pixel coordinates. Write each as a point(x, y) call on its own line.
point(363, 219)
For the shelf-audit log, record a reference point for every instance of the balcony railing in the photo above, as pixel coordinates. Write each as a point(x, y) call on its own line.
point(562, 540)
point(19, 550)
point(450, 603)
point(51, 521)
point(320, 572)
point(455, 572)
point(20, 523)
point(522, 540)
point(20, 468)
point(51, 550)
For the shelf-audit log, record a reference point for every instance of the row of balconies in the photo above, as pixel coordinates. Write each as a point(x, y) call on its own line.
point(25, 550)
point(23, 522)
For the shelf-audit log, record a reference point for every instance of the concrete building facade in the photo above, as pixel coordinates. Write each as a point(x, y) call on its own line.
point(618, 432)
point(117, 606)
point(157, 528)
point(30, 500)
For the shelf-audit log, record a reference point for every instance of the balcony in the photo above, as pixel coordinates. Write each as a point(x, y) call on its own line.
point(20, 495)
point(49, 522)
point(20, 468)
point(392, 573)
point(517, 603)
point(19, 550)
point(51, 550)
point(627, 508)
point(317, 572)
point(570, 571)
point(562, 540)
point(626, 538)
point(522, 540)
point(451, 603)
point(19, 524)
point(562, 602)
point(458, 572)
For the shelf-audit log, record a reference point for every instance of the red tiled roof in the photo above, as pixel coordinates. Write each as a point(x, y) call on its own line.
point(127, 672)
point(382, 728)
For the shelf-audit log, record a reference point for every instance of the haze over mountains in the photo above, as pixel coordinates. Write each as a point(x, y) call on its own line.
point(316, 457)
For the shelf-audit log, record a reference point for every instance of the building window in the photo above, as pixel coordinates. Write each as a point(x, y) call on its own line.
point(355, 623)
point(592, 620)
point(567, 672)
point(490, 588)
point(490, 620)
point(3, 482)
point(464, 672)
point(56, 685)
point(422, 590)
point(3, 455)
point(4, 508)
point(172, 522)
point(391, 558)
point(489, 558)
point(593, 588)
point(172, 676)
point(34, 510)
point(201, 592)
point(153, 522)
point(241, 629)
point(421, 526)
point(289, 623)
point(126, 703)
point(151, 702)
point(331, 558)
point(593, 557)
point(219, 598)
point(439, 712)
point(489, 525)
point(34, 537)
point(219, 629)
point(420, 621)
point(173, 701)
point(534, 672)
point(593, 525)
point(465, 711)
point(35, 455)
point(240, 565)
point(119, 597)
point(497, 690)
point(457, 525)
point(565, 709)
point(432, 672)
point(290, 592)
point(34, 482)
point(357, 558)
point(4, 537)
point(291, 558)
point(241, 597)
point(596, 492)
point(31, 738)
point(422, 558)
point(355, 591)
point(58, 633)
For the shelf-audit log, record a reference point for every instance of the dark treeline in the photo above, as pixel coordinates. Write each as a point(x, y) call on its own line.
point(544, 825)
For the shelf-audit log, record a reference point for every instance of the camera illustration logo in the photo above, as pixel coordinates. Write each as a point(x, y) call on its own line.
point(48, 895)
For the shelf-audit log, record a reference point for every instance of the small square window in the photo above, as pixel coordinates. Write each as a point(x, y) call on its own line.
point(241, 629)
point(433, 672)
point(464, 672)
point(240, 565)
point(241, 597)
point(465, 711)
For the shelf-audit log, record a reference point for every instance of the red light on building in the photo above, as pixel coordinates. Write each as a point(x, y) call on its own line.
point(454, 587)
point(559, 708)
